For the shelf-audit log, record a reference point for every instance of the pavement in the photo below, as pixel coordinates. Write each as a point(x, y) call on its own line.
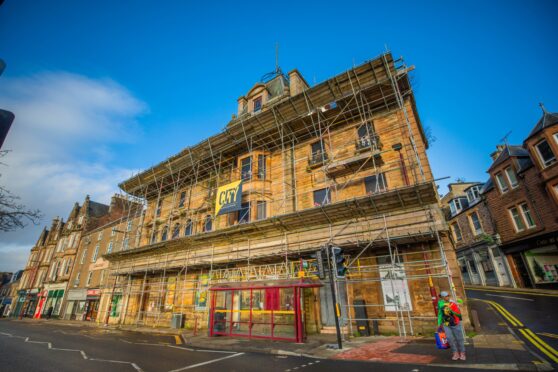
point(499, 342)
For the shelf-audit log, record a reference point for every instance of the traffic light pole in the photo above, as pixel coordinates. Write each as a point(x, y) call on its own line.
point(333, 297)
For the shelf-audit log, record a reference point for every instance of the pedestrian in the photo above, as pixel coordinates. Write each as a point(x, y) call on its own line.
point(449, 316)
point(49, 312)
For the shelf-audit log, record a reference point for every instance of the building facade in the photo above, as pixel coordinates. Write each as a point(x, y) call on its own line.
point(523, 198)
point(476, 240)
point(233, 225)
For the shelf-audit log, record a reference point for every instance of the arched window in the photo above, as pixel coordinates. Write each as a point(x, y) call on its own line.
point(176, 231)
point(208, 223)
point(188, 228)
point(165, 233)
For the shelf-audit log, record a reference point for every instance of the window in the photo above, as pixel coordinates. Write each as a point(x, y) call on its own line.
point(125, 244)
point(262, 167)
point(261, 212)
point(246, 168)
point(502, 185)
point(188, 228)
point(244, 213)
point(102, 278)
point(89, 276)
point(95, 254)
point(512, 178)
point(257, 104)
point(100, 236)
point(527, 216)
point(319, 154)
point(154, 237)
point(321, 197)
point(375, 184)
point(456, 232)
point(129, 226)
point(182, 199)
point(457, 205)
point(113, 231)
point(164, 233)
point(80, 220)
point(175, 231)
point(545, 153)
point(67, 270)
point(109, 248)
point(69, 226)
point(159, 207)
point(475, 223)
point(473, 193)
point(83, 256)
point(76, 280)
point(208, 223)
point(555, 135)
point(517, 220)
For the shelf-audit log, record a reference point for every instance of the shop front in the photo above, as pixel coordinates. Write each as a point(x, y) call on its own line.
point(75, 307)
point(41, 300)
point(260, 311)
point(53, 303)
point(535, 261)
point(92, 304)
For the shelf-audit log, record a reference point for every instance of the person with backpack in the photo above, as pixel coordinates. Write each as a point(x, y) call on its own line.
point(449, 316)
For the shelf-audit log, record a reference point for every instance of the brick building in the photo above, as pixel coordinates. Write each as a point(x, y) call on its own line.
point(475, 237)
point(523, 198)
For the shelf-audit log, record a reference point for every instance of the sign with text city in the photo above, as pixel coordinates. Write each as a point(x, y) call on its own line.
point(228, 198)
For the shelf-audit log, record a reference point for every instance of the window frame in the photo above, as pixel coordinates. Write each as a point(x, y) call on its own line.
point(507, 172)
point(501, 182)
point(95, 253)
point(262, 167)
point(259, 205)
point(244, 213)
point(514, 221)
point(246, 175)
point(480, 230)
point(454, 229)
point(325, 200)
point(258, 103)
point(207, 221)
point(89, 277)
point(110, 246)
point(182, 199)
point(526, 211)
point(188, 228)
point(545, 163)
point(380, 181)
point(473, 193)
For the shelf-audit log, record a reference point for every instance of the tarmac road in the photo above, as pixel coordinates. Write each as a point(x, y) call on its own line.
point(524, 312)
point(28, 346)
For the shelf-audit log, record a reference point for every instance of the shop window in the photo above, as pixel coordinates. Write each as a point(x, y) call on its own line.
point(456, 232)
point(527, 216)
point(375, 184)
point(207, 224)
point(322, 197)
point(543, 264)
point(475, 223)
point(246, 169)
point(182, 199)
point(262, 167)
point(261, 213)
point(546, 155)
point(176, 231)
point(244, 213)
point(517, 220)
point(502, 185)
point(512, 178)
point(188, 228)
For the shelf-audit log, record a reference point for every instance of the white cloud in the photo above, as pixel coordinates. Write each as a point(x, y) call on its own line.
point(60, 146)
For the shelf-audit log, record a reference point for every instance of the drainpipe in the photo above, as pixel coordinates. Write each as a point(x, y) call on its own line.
point(397, 147)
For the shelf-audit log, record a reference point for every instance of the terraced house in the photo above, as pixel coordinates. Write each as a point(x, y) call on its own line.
point(234, 226)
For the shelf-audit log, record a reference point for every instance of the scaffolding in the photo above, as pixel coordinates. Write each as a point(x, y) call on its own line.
point(176, 257)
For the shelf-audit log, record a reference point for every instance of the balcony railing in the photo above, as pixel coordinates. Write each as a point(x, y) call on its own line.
point(317, 158)
point(371, 142)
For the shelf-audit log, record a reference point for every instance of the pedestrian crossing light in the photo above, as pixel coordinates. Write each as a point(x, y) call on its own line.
point(339, 262)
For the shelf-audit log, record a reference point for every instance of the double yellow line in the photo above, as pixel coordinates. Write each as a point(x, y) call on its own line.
point(545, 348)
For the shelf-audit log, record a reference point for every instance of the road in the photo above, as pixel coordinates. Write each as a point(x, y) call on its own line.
point(532, 316)
point(29, 346)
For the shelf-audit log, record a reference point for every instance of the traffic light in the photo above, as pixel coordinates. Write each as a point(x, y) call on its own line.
point(338, 262)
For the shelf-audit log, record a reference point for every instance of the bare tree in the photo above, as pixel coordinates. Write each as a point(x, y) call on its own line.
point(13, 214)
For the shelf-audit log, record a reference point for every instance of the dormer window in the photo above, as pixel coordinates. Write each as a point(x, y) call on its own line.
point(545, 153)
point(457, 205)
point(473, 194)
point(257, 104)
point(502, 185)
point(512, 178)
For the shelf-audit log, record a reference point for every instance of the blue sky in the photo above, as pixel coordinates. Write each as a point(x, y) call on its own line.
point(102, 89)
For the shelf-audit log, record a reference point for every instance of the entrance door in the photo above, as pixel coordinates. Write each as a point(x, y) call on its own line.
point(522, 269)
point(270, 312)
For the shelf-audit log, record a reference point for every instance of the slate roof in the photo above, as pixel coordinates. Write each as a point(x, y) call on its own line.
point(97, 209)
point(509, 151)
point(548, 119)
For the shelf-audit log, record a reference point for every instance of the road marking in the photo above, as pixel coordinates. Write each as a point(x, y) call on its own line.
point(516, 298)
point(551, 335)
point(178, 340)
point(206, 363)
point(539, 346)
point(506, 314)
point(516, 292)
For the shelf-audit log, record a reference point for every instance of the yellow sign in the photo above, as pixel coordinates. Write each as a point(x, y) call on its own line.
point(228, 198)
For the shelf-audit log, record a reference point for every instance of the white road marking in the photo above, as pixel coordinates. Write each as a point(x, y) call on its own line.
point(516, 298)
point(205, 363)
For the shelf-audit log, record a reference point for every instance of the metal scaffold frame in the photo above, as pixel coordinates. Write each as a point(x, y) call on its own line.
point(355, 99)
